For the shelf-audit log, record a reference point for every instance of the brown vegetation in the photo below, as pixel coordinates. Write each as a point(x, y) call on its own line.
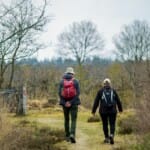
point(27, 135)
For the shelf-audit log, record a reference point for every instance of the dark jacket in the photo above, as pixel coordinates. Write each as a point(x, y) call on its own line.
point(103, 104)
point(75, 100)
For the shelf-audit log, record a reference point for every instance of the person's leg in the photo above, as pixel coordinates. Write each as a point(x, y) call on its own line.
point(66, 121)
point(104, 118)
point(112, 122)
point(74, 111)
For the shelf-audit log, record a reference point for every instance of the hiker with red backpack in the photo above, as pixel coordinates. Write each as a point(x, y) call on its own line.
point(107, 100)
point(69, 99)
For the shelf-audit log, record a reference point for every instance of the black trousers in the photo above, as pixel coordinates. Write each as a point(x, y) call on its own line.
point(108, 121)
point(70, 124)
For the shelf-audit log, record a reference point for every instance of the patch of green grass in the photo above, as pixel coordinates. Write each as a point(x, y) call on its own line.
point(143, 143)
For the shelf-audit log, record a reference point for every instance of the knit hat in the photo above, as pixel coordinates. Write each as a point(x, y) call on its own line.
point(106, 81)
point(70, 70)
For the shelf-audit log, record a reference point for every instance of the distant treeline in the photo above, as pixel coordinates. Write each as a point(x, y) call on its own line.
point(65, 62)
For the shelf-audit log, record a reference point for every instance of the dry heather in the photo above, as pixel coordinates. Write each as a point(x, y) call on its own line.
point(19, 133)
point(39, 104)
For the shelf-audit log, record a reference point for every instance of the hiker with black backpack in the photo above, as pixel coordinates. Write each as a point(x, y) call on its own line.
point(69, 99)
point(107, 100)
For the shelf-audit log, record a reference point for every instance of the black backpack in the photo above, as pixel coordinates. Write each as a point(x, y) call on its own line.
point(108, 98)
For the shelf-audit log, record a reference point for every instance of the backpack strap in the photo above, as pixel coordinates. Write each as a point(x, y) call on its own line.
point(111, 96)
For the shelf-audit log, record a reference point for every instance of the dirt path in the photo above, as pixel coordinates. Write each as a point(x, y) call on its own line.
point(89, 136)
point(86, 140)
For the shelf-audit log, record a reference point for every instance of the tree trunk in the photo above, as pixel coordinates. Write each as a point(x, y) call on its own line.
point(11, 74)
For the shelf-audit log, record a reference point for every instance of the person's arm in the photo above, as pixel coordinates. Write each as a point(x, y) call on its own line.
point(119, 104)
point(62, 101)
point(96, 102)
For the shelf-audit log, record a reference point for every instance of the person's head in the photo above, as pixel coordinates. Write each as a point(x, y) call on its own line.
point(70, 70)
point(107, 82)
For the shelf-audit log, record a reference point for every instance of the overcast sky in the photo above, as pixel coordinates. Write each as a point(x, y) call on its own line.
point(108, 15)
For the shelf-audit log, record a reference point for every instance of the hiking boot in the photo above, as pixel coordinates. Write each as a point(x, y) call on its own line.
point(67, 139)
point(106, 140)
point(111, 139)
point(72, 139)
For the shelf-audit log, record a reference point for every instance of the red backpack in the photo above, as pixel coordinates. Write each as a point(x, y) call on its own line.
point(69, 90)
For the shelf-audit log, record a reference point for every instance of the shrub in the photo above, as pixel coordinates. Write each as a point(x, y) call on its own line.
point(34, 104)
point(127, 122)
point(28, 137)
point(95, 118)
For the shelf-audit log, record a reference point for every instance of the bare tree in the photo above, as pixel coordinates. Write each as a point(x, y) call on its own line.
point(22, 23)
point(79, 41)
point(133, 42)
point(133, 45)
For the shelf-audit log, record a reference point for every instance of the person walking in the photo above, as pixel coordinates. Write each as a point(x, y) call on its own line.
point(107, 100)
point(69, 92)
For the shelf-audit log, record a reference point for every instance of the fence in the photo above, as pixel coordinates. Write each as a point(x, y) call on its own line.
point(15, 100)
